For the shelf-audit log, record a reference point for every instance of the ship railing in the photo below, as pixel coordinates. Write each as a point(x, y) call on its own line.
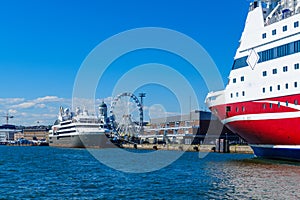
point(280, 16)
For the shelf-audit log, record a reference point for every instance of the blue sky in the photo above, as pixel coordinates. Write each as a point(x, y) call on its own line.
point(44, 42)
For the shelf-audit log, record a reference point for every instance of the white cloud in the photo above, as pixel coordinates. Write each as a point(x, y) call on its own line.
point(24, 105)
point(53, 109)
point(43, 109)
point(157, 111)
point(48, 99)
point(12, 111)
point(11, 100)
point(106, 100)
point(42, 105)
point(38, 102)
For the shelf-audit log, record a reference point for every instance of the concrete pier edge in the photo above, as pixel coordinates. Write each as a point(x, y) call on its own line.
point(243, 149)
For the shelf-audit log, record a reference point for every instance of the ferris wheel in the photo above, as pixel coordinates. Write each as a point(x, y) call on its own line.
point(127, 114)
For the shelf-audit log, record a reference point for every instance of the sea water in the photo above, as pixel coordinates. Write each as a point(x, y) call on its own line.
point(61, 173)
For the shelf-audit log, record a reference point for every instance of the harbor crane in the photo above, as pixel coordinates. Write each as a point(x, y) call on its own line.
point(7, 116)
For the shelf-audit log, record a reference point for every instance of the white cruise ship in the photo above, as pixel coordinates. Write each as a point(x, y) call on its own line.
point(80, 130)
point(261, 102)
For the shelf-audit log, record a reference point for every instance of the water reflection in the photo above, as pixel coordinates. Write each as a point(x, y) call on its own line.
point(255, 179)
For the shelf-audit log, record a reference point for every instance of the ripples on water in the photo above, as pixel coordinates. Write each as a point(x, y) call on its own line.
point(54, 173)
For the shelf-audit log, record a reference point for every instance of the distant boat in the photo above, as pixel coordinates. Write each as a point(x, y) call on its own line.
point(80, 130)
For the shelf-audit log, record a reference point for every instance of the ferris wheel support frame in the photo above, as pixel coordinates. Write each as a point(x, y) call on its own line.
point(138, 103)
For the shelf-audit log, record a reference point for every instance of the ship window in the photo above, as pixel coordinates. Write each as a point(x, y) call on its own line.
point(264, 73)
point(283, 50)
point(231, 95)
point(274, 71)
point(296, 24)
point(287, 103)
point(243, 93)
point(240, 62)
point(278, 105)
point(286, 86)
point(266, 55)
point(296, 102)
point(285, 69)
point(278, 87)
point(264, 90)
point(274, 32)
point(269, 54)
point(264, 106)
point(242, 78)
point(296, 46)
point(264, 35)
point(237, 94)
point(284, 28)
point(234, 80)
point(271, 105)
point(296, 66)
point(295, 84)
point(228, 108)
point(243, 108)
point(237, 109)
point(271, 88)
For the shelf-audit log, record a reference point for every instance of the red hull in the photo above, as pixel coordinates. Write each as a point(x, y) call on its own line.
point(275, 132)
point(273, 121)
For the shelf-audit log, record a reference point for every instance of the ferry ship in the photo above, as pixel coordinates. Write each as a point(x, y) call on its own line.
point(261, 102)
point(80, 130)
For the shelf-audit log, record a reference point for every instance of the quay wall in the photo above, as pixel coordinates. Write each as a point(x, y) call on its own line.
point(241, 149)
point(181, 147)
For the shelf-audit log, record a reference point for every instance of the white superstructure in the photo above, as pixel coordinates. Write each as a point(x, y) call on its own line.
point(267, 60)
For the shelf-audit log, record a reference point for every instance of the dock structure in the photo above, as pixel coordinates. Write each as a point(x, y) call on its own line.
point(25, 136)
point(195, 128)
point(243, 149)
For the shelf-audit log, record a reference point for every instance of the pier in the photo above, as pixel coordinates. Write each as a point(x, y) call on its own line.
point(244, 149)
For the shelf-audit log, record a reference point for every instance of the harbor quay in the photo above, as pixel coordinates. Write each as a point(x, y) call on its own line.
point(243, 149)
point(24, 136)
point(196, 131)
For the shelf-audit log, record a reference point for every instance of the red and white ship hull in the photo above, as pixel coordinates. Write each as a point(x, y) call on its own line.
point(270, 126)
point(269, 121)
point(261, 102)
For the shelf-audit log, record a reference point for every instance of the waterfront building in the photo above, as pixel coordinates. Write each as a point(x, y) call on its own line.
point(190, 128)
point(35, 133)
point(7, 133)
